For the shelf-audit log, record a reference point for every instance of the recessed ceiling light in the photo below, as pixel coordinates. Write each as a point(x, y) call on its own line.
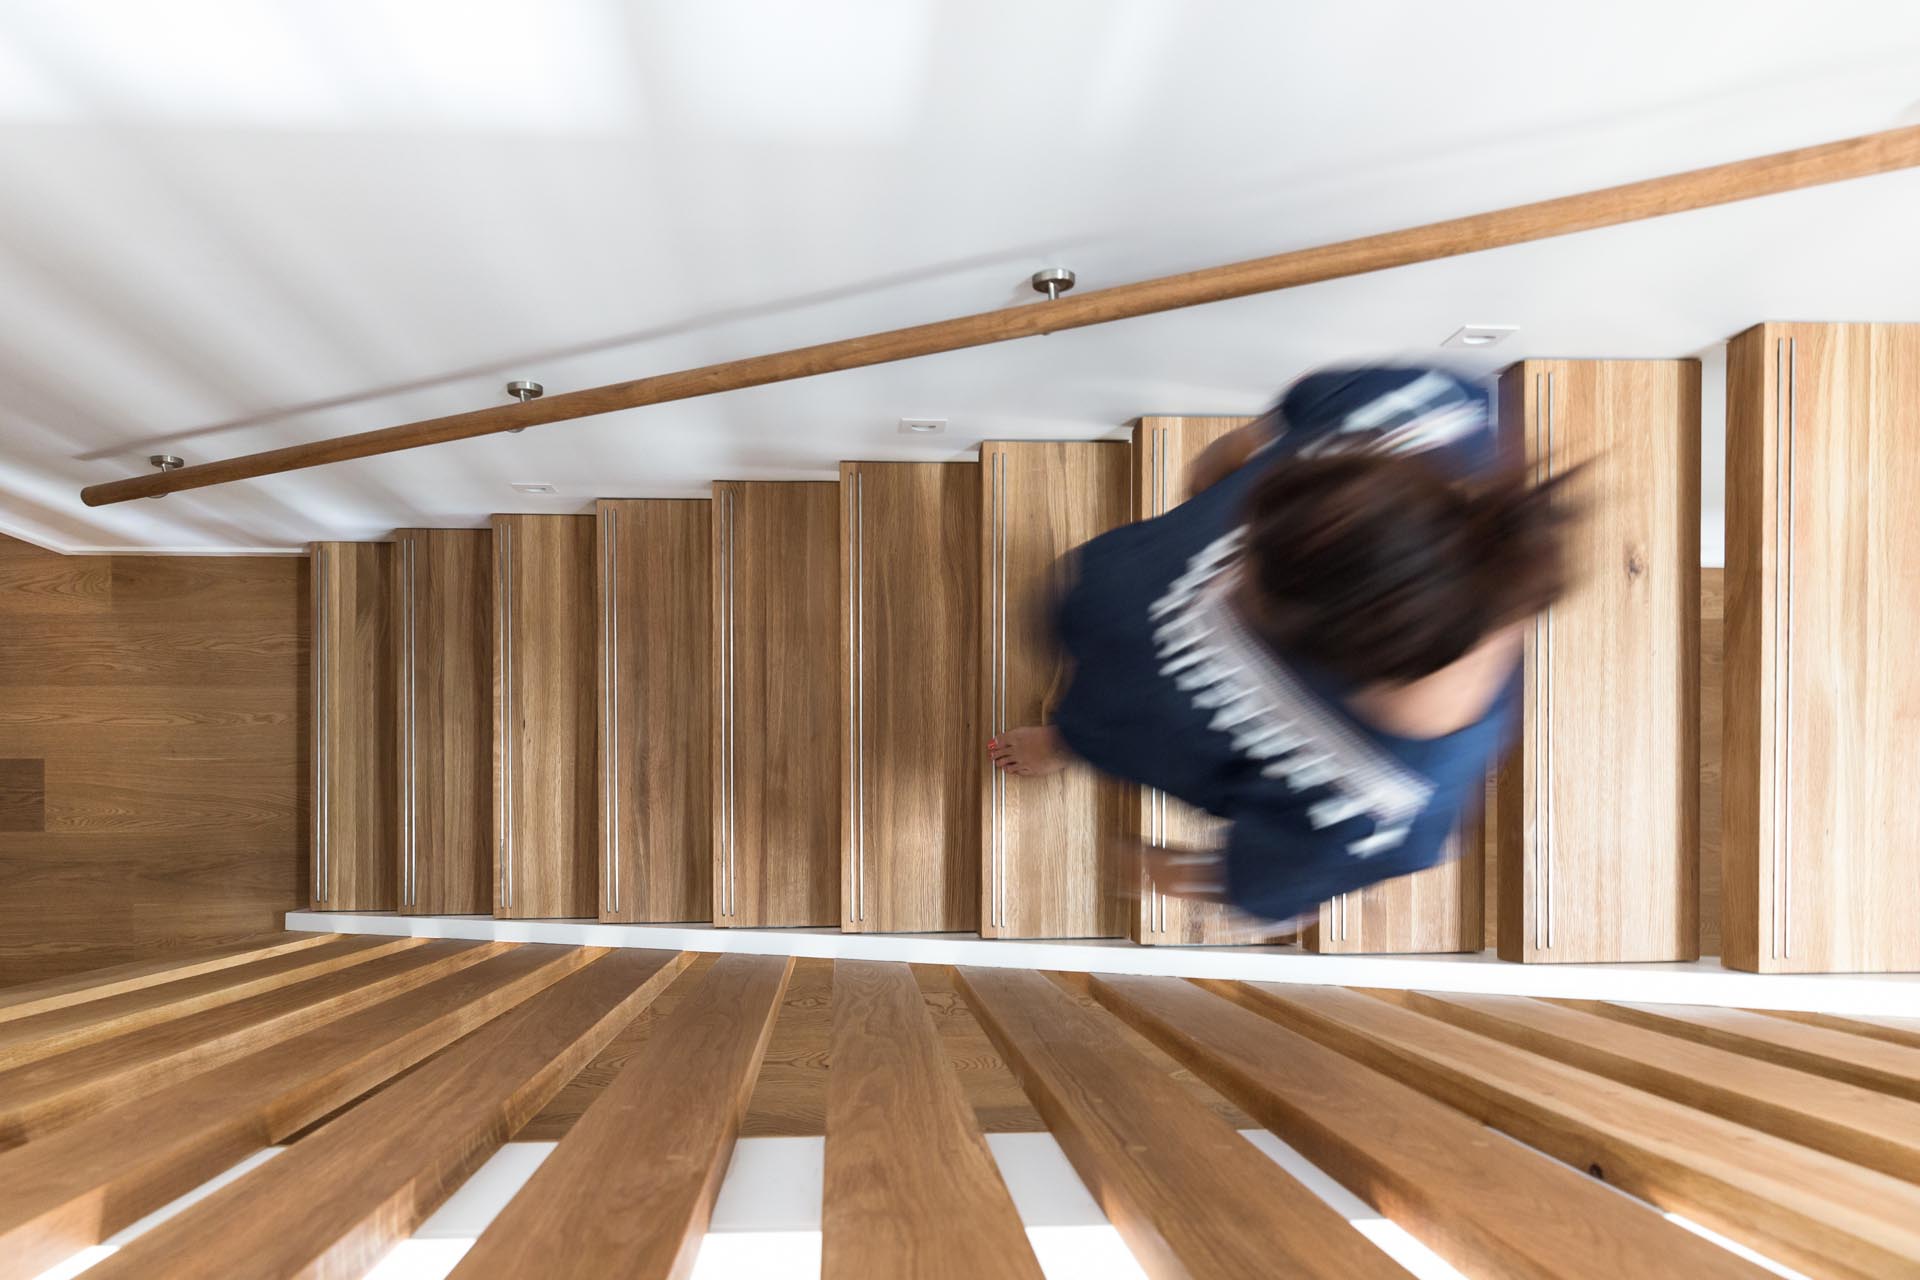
point(922, 426)
point(1480, 335)
point(534, 488)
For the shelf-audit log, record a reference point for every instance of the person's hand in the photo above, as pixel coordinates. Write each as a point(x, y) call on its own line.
point(1199, 874)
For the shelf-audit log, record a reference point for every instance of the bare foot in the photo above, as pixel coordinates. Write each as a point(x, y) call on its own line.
point(1034, 751)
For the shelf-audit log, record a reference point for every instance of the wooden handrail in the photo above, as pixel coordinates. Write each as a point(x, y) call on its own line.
point(1651, 198)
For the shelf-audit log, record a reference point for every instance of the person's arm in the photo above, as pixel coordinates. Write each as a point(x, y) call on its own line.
point(1228, 454)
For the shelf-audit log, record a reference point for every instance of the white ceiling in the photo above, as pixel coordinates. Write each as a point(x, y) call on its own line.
point(226, 227)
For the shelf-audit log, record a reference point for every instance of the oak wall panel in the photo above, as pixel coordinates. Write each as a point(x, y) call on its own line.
point(166, 699)
point(1821, 842)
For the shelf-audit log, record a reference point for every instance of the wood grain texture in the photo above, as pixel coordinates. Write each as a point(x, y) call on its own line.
point(679, 1101)
point(999, 1104)
point(790, 1094)
point(1050, 848)
point(1599, 837)
point(776, 775)
point(911, 1189)
point(40, 1096)
point(563, 1111)
point(1860, 1125)
point(1650, 198)
point(76, 1187)
point(1809, 1210)
point(1902, 1031)
point(1438, 909)
point(339, 1199)
point(443, 660)
point(1822, 821)
point(1877, 1064)
point(1712, 680)
point(23, 795)
point(656, 709)
point(1163, 451)
point(1486, 1205)
point(356, 776)
point(168, 699)
point(31, 999)
point(909, 679)
point(58, 1030)
point(1188, 1195)
point(545, 807)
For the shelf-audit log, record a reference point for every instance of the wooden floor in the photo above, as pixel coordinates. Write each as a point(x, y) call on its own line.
point(392, 1070)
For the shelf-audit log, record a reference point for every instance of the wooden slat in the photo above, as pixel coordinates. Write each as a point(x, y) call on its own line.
point(35, 998)
point(45, 1034)
point(628, 1192)
point(355, 805)
point(1904, 1031)
point(1612, 206)
point(998, 1102)
point(1050, 848)
point(1486, 1205)
point(1822, 843)
point(790, 1092)
point(1861, 1060)
point(546, 806)
point(776, 706)
point(443, 719)
point(558, 1117)
point(1188, 1194)
point(655, 640)
point(911, 1189)
point(909, 669)
point(340, 1198)
point(1861, 1125)
point(77, 1186)
point(1598, 830)
point(1805, 1208)
point(39, 1096)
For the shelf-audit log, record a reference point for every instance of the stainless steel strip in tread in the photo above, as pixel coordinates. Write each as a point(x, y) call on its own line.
point(852, 699)
point(1784, 663)
point(1776, 655)
point(1547, 668)
point(501, 781)
point(607, 726)
point(724, 569)
point(997, 845)
point(606, 719)
point(1540, 783)
point(413, 745)
point(512, 728)
point(1156, 834)
point(326, 732)
point(860, 684)
point(1000, 681)
point(406, 643)
point(619, 886)
point(613, 695)
point(1006, 555)
point(317, 570)
point(732, 693)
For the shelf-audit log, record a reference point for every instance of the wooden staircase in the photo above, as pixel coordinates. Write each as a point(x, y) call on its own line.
point(668, 741)
point(1497, 1131)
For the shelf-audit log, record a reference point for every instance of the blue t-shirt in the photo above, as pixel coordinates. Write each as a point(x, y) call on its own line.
point(1171, 689)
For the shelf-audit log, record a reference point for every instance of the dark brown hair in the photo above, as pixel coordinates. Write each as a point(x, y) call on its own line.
point(1379, 568)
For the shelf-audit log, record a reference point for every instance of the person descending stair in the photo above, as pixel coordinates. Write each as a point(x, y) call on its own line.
point(1322, 645)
